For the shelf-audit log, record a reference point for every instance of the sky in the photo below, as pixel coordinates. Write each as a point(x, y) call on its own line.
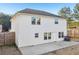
point(12, 8)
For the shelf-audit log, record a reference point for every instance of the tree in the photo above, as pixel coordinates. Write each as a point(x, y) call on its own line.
point(76, 11)
point(5, 21)
point(65, 12)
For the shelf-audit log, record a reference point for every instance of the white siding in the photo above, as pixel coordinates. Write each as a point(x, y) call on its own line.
point(25, 31)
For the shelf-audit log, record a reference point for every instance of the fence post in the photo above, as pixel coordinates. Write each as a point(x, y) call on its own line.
point(4, 38)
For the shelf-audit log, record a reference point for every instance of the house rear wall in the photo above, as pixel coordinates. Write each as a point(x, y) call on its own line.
point(25, 31)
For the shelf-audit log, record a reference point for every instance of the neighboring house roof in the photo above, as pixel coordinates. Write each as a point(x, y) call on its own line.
point(39, 12)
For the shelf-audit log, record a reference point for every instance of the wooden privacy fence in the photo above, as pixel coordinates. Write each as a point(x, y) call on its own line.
point(7, 38)
point(74, 34)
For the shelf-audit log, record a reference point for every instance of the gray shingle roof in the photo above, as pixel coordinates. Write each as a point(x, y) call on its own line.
point(39, 12)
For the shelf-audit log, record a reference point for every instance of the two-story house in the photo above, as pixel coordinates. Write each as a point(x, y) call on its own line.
point(34, 27)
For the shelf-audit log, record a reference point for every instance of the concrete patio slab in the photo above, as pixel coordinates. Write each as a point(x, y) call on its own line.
point(45, 48)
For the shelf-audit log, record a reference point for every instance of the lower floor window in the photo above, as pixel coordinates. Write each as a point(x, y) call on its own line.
point(36, 35)
point(61, 34)
point(47, 35)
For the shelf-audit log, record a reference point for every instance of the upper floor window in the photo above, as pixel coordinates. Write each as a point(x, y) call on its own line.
point(36, 20)
point(56, 21)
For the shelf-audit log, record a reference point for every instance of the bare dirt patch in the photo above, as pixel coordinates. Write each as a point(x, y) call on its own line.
point(73, 50)
point(9, 50)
